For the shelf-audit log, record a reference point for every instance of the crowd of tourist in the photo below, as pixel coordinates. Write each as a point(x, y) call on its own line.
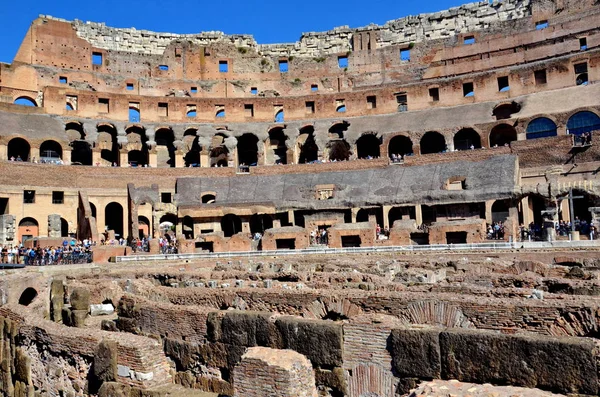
point(495, 231)
point(319, 237)
point(70, 252)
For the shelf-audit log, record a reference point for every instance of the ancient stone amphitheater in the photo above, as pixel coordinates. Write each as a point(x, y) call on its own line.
point(428, 129)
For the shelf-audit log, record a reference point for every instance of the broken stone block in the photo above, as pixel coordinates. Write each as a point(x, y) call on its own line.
point(109, 325)
point(78, 318)
point(80, 299)
point(105, 361)
point(102, 310)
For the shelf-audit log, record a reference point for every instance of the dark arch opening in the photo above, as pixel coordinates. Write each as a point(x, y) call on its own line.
point(50, 151)
point(231, 224)
point(138, 157)
point(25, 101)
point(166, 137)
point(111, 155)
point(260, 222)
point(400, 146)
point(18, 149)
point(502, 135)
point(188, 227)
point(583, 122)
point(500, 210)
point(466, 139)
point(363, 215)
point(541, 127)
point(75, 130)
point(309, 151)
point(337, 130)
point(113, 218)
point(537, 205)
point(277, 140)
point(208, 198)
point(64, 227)
point(28, 296)
point(192, 157)
point(248, 149)
point(339, 150)
point(368, 146)
point(81, 153)
point(397, 213)
point(167, 223)
point(433, 142)
point(93, 208)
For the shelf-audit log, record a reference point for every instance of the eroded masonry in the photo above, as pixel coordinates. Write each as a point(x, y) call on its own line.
point(478, 123)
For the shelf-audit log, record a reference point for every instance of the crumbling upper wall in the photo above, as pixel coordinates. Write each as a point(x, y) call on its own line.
point(466, 18)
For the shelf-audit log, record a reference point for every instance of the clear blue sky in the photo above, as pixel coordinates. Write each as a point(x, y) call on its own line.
point(269, 21)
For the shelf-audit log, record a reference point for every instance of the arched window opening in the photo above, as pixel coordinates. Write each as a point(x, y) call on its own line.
point(337, 130)
point(64, 227)
point(68, 106)
point(541, 127)
point(188, 227)
point(81, 153)
point(143, 227)
point(279, 117)
point(18, 149)
point(74, 130)
point(341, 109)
point(368, 146)
point(28, 296)
point(309, 151)
point(277, 146)
point(399, 147)
point(433, 142)
point(220, 114)
point(137, 157)
point(164, 138)
point(134, 115)
point(466, 139)
point(192, 157)
point(583, 122)
point(208, 198)
point(113, 218)
point(50, 151)
point(364, 213)
point(339, 150)
point(25, 101)
point(260, 222)
point(231, 224)
point(502, 135)
point(247, 147)
point(398, 213)
point(219, 153)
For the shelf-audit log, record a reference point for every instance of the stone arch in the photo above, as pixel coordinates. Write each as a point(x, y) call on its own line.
point(144, 226)
point(433, 142)
point(165, 137)
point(502, 135)
point(64, 227)
point(436, 313)
point(276, 148)
point(50, 150)
point(28, 296)
point(582, 122)
point(541, 127)
point(368, 146)
point(25, 101)
point(192, 143)
point(108, 143)
point(400, 145)
point(307, 146)
point(465, 138)
point(208, 197)
point(74, 130)
point(247, 148)
point(500, 210)
point(28, 228)
point(18, 148)
point(331, 308)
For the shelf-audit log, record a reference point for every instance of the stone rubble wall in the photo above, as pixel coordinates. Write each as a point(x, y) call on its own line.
point(466, 18)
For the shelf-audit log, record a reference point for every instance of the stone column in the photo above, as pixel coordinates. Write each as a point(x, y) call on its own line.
point(123, 160)
point(418, 214)
point(386, 219)
point(54, 226)
point(550, 216)
point(526, 211)
point(34, 153)
point(179, 161)
point(488, 211)
point(96, 156)
point(204, 158)
point(354, 212)
point(66, 156)
point(152, 158)
point(4, 152)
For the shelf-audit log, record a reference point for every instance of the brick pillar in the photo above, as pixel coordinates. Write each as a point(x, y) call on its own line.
point(204, 158)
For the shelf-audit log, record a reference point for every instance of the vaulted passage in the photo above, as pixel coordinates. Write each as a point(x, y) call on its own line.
point(433, 142)
point(113, 218)
point(50, 151)
point(276, 146)
point(400, 146)
point(466, 139)
point(165, 150)
point(367, 146)
point(219, 153)
point(81, 153)
point(28, 296)
point(107, 138)
point(339, 150)
point(309, 151)
point(231, 224)
point(248, 150)
point(502, 135)
point(18, 149)
point(260, 222)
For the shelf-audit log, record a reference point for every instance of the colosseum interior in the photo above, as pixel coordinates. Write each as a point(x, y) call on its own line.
point(336, 204)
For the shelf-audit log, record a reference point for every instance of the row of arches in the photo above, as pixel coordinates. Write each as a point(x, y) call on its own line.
point(277, 148)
